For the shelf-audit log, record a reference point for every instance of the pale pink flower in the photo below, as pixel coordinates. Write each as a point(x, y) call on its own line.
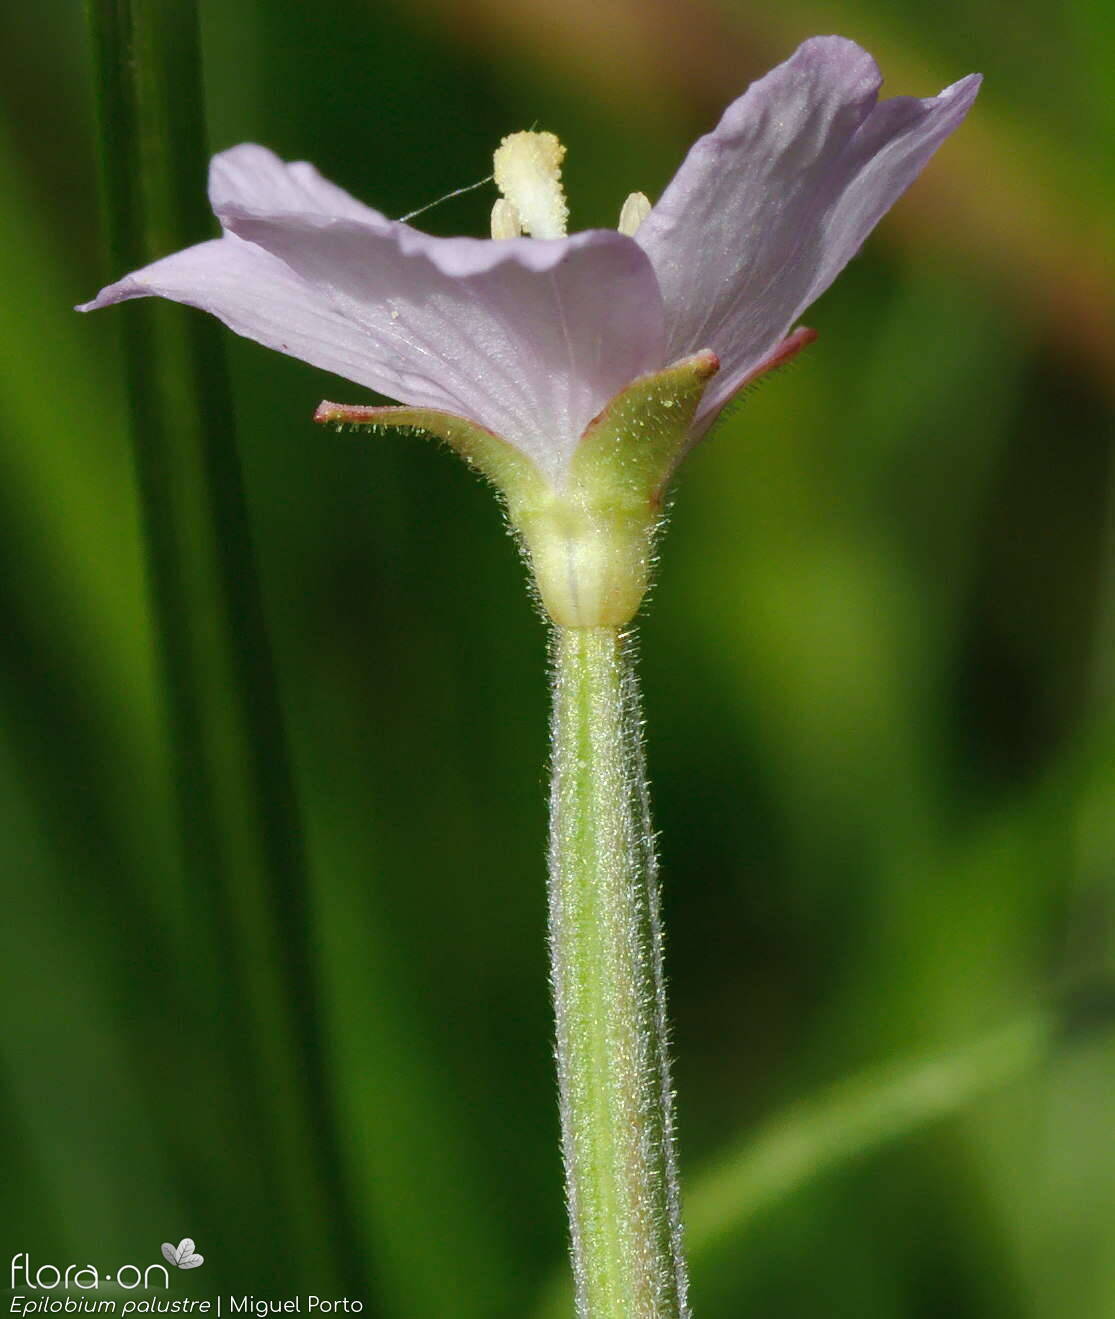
point(530, 337)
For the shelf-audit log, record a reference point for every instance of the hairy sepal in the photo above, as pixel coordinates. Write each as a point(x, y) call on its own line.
point(590, 537)
point(490, 454)
point(592, 541)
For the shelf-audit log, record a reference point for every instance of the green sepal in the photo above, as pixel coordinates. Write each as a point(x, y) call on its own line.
point(485, 451)
point(591, 542)
point(629, 452)
point(590, 536)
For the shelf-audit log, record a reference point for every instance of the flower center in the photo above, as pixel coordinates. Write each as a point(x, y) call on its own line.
point(528, 173)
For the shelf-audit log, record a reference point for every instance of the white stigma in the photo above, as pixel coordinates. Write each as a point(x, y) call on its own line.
point(505, 220)
point(634, 211)
point(528, 173)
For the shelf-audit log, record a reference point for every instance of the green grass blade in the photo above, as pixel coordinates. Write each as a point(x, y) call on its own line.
point(248, 957)
point(849, 1120)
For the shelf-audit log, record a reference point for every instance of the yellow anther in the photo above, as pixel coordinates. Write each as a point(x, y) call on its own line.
point(505, 220)
point(633, 212)
point(528, 173)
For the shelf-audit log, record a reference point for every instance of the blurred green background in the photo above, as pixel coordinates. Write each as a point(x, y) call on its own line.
point(880, 683)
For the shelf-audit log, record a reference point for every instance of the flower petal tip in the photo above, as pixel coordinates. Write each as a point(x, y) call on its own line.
point(959, 96)
point(103, 299)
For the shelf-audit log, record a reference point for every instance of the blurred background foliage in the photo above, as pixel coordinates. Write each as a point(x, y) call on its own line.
point(879, 676)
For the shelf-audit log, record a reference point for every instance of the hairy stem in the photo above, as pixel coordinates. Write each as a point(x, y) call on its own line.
point(609, 993)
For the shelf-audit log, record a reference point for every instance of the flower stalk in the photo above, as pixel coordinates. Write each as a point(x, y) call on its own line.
point(616, 1099)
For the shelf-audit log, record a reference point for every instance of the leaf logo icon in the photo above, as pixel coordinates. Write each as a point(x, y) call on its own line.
point(182, 1256)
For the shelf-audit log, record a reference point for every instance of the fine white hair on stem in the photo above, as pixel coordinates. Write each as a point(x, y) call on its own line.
point(616, 1096)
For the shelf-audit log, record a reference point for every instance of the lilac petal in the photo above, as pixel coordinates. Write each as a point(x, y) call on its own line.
point(767, 209)
point(527, 337)
point(258, 297)
point(249, 177)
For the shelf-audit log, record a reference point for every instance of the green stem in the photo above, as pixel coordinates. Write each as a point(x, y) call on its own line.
point(609, 992)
